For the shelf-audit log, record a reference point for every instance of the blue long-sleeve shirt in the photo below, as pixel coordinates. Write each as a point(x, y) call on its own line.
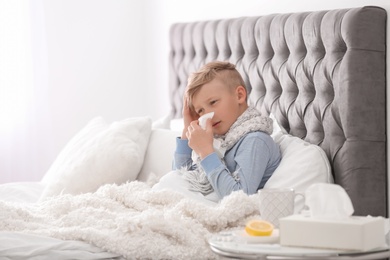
point(248, 164)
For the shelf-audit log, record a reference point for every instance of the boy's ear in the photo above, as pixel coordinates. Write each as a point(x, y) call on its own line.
point(241, 94)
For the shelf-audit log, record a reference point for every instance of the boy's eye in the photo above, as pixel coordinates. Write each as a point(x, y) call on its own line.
point(213, 102)
point(200, 111)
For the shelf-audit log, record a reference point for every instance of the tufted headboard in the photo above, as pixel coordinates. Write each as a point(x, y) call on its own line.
point(323, 76)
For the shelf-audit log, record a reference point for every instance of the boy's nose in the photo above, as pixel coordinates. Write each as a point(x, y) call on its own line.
point(206, 111)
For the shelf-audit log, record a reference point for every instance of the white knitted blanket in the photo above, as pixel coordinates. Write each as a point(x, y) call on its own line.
point(132, 220)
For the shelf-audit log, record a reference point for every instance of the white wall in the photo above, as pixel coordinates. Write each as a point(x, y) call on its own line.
point(98, 63)
point(110, 58)
point(91, 58)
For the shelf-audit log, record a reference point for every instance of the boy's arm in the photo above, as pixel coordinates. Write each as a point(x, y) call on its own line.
point(251, 156)
point(200, 140)
point(188, 116)
point(182, 155)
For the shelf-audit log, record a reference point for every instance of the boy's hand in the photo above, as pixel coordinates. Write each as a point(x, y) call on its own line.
point(201, 141)
point(188, 117)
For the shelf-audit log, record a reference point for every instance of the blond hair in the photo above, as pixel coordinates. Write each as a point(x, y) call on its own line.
point(224, 71)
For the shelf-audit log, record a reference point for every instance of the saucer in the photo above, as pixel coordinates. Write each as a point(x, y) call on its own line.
point(242, 235)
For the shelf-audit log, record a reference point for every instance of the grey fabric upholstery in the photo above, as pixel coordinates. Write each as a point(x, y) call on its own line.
point(322, 74)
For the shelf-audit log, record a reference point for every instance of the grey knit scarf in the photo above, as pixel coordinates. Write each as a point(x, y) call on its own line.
point(250, 121)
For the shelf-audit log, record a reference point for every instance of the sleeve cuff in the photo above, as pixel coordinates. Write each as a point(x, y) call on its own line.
point(182, 146)
point(210, 162)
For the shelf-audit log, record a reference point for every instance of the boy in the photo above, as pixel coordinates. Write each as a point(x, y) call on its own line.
point(248, 155)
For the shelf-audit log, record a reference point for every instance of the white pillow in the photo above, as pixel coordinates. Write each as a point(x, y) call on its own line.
point(159, 155)
point(162, 122)
point(99, 154)
point(276, 127)
point(302, 165)
point(176, 124)
point(94, 127)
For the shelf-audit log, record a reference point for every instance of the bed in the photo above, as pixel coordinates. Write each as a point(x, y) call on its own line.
point(322, 77)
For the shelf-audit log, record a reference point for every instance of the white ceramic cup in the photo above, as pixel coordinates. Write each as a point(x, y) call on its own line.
point(277, 203)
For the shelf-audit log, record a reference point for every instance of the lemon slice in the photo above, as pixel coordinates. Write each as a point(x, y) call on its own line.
point(259, 228)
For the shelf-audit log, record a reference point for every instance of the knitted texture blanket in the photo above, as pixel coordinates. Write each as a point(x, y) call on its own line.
point(132, 220)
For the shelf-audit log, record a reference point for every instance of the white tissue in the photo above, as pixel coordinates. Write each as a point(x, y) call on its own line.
point(328, 200)
point(203, 119)
point(216, 143)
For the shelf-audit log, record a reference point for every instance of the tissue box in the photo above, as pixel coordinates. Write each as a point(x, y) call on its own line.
point(352, 233)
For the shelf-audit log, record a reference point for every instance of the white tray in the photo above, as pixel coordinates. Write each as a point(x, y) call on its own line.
point(236, 243)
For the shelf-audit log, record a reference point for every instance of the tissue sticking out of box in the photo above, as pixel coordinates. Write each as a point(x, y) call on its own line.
point(328, 200)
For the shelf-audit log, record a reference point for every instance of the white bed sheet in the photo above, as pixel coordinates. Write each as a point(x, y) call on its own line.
point(16, 246)
point(21, 192)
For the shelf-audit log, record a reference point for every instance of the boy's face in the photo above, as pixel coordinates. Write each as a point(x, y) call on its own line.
point(227, 104)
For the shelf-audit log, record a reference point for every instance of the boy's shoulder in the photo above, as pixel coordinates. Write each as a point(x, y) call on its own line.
point(256, 139)
point(257, 136)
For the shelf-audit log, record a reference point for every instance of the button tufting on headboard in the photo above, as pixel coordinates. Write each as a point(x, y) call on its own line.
point(322, 74)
